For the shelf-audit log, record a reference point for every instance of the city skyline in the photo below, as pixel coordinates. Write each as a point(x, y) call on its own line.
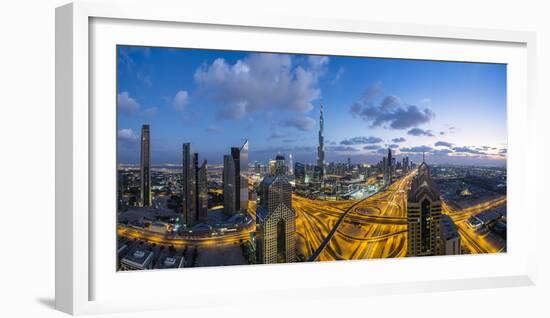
point(216, 99)
point(262, 162)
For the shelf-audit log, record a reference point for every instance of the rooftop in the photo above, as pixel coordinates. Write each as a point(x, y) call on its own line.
point(170, 261)
point(448, 228)
point(489, 216)
point(138, 257)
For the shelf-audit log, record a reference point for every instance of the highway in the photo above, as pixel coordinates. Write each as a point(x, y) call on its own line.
point(377, 239)
point(376, 227)
point(180, 241)
point(327, 238)
point(372, 227)
point(160, 239)
point(473, 241)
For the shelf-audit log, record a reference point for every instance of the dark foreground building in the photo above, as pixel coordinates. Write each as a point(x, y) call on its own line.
point(275, 222)
point(423, 215)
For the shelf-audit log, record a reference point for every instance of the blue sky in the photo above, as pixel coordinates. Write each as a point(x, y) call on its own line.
point(455, 112)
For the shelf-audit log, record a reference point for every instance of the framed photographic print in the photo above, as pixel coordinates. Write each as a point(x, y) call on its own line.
point(298, 155)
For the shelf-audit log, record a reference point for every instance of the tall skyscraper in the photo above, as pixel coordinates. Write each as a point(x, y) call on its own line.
point(321, 147)
point(280, 167)
point(300, 173)
point(272, 167)
point(243, 175)
point(290, 165)
point(145, 166)
point(229, 185)
point(423, 215)
point(390, 166)
point(240, 188)
point(275, 222)
point(201, 190)
point(188, 186)
point(236, 155)
point(318, 175)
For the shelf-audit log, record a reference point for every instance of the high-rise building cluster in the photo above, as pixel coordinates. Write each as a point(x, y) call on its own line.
point(405, 166)
point(194, 188)
point(390, 165)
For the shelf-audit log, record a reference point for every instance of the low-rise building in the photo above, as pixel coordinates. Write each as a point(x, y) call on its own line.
point(450, 238)
point(137, 259)
point(170, 261)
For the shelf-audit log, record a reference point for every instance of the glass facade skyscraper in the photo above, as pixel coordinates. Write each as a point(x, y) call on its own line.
point(237, 185)
point(194, 188)
point(229, 185)
point(188, 187)
point(202, 191)
point(280, 167)
point(243, 176)
point(145, 166)
point(300, 172)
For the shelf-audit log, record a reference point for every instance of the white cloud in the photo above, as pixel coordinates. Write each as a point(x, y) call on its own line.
point(180, 100)
point(318, 62)
point(127, 135)
point(127, 104)
point(261, 82)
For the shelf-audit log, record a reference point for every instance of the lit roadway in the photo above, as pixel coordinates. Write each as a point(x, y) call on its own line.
point(376, 227)
point(473, 241)
point(181, 241)
point(178, 241)
point(370, 228)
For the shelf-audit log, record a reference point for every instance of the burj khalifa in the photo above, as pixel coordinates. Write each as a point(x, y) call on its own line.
point(321, 147)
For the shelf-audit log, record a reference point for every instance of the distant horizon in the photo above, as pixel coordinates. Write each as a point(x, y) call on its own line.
point(398, 157)
point(455, 112)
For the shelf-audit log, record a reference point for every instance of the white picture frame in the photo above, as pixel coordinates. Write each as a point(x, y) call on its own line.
point(77, 61)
